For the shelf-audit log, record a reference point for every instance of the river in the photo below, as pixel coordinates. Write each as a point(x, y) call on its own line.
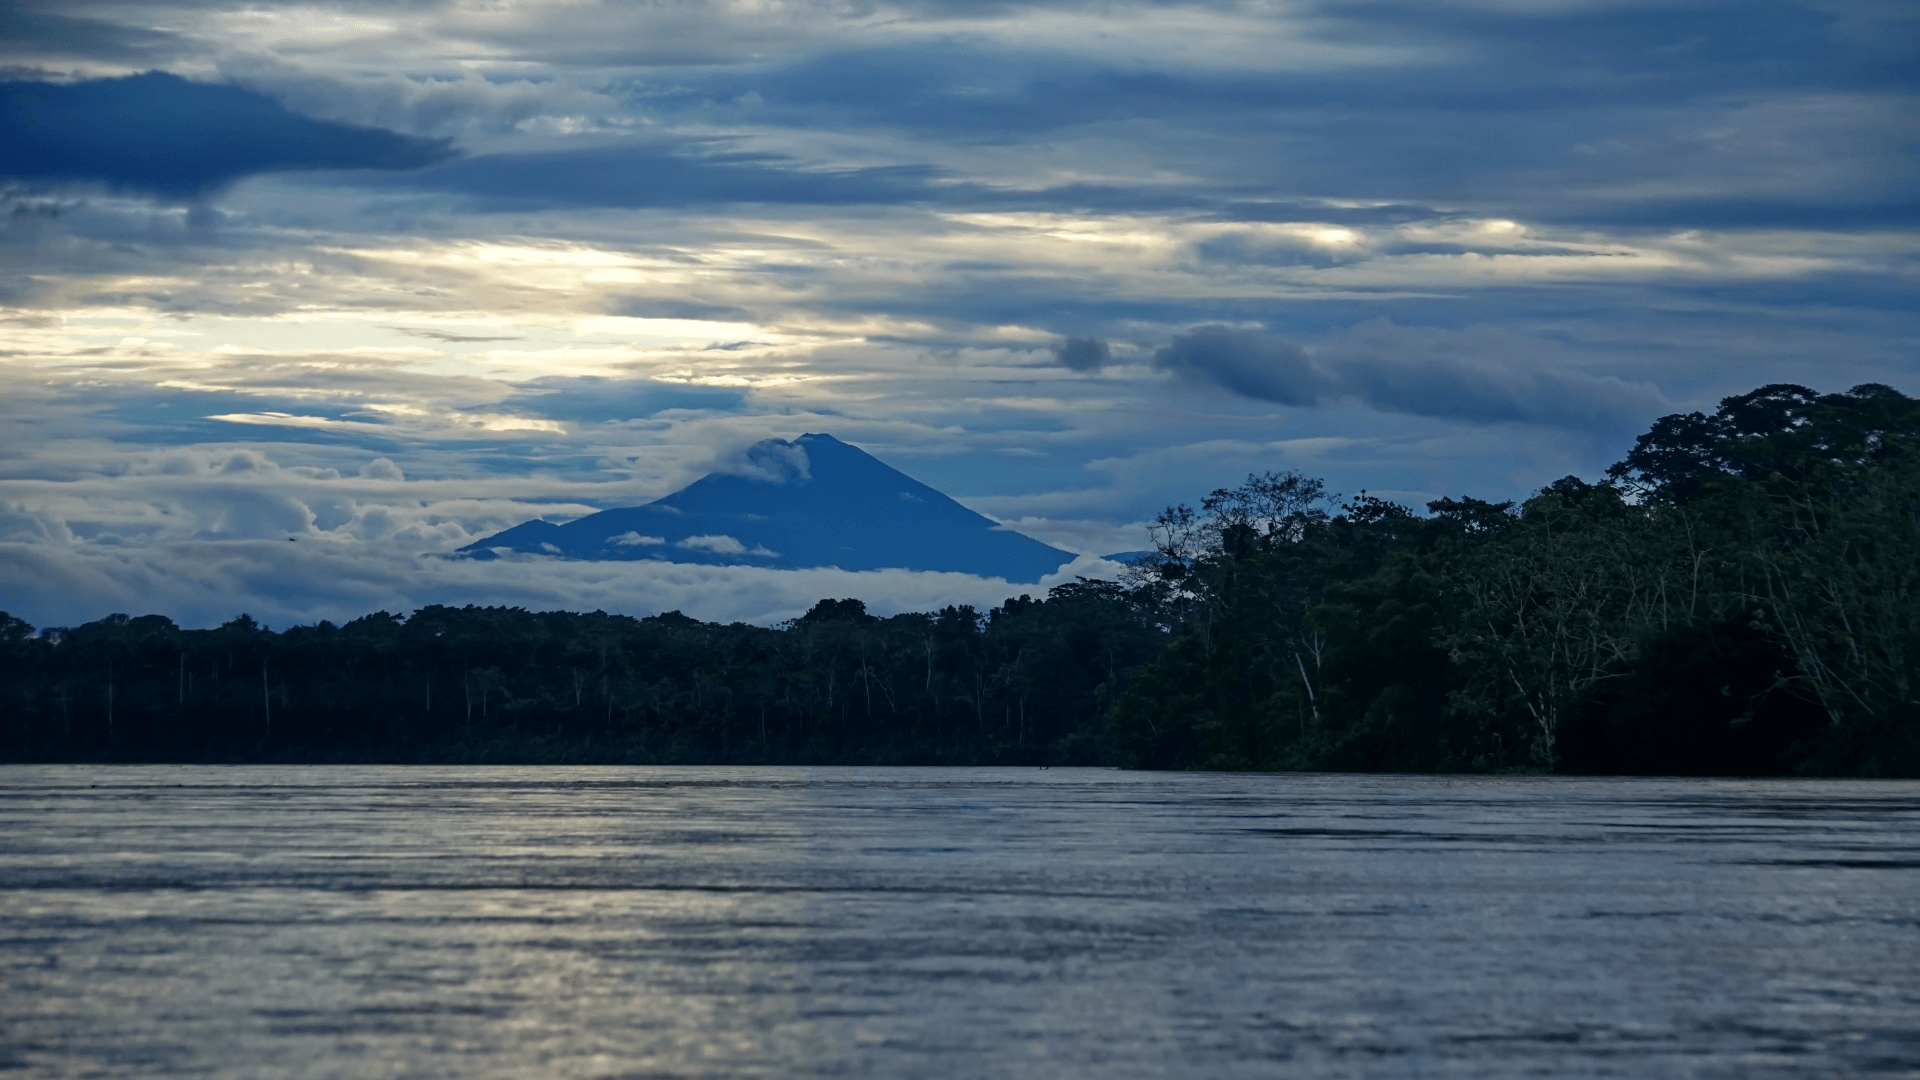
point(252, 922)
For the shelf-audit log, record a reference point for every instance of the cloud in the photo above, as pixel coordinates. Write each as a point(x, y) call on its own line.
point(1771, 112)
point(773, 460)
point(1082, 353)
point(724, 545)
point(161, 135)
point(382, 468)
point(205, 583)
point(642, 307)
point(1442, 248)
point(594, 398)
point(1709, 113)
point(666, 175)
point(708, 171)
point(631, 538)
point(1478, 375)
point(46, 34)
point(451, 339)
point(1249, 363)
point(464, 104)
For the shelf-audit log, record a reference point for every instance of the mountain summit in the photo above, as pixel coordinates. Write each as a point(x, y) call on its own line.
point(815, 501)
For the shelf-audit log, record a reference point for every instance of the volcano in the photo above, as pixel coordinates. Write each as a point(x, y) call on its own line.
point(815, 501)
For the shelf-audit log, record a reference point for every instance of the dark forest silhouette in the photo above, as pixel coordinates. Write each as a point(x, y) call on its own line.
point(1740, 595)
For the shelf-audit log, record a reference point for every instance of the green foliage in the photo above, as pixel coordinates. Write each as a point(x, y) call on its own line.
point(1835, 577)
point(1555, 603)
point(1780, 429)
point(1237, 688)
point(1741, 596)
point(1025, 682)
point(1706, 699)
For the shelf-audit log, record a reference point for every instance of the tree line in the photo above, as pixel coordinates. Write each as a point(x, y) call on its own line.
point(1737, 596)
point(1025, 682)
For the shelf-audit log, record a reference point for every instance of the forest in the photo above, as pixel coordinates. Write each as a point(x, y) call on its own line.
point(1740, 595)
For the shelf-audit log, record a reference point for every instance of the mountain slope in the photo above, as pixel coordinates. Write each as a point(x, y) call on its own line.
point(815, 501)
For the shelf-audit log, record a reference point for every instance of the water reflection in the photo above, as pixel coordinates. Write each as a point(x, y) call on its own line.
point(708, 922)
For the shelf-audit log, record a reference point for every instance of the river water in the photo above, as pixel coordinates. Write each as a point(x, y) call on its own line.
point(691, 922)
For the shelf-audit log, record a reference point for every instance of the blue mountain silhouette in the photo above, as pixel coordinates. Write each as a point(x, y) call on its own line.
point(815, 501)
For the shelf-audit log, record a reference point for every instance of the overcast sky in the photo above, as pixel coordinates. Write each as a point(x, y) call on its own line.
point(387, 277)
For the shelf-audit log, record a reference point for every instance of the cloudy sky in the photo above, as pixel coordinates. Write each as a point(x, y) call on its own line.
point(386, 277)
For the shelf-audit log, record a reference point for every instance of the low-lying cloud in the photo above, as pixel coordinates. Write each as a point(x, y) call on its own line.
point(720, 544)
point(205, 583)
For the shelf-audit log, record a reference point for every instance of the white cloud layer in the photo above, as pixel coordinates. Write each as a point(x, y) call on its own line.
point(204, 583)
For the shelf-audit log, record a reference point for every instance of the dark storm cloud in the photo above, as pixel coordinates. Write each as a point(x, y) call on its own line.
point(1649, 115)
point(1706, 114)
point(1082, 353)
point(1696, 115)
point(48, 33)
point(162, 135)
point(1477, 375)
point(1244, 362)
point(1457, 58)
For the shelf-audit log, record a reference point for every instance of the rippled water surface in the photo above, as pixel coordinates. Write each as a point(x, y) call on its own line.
point(606, 922)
